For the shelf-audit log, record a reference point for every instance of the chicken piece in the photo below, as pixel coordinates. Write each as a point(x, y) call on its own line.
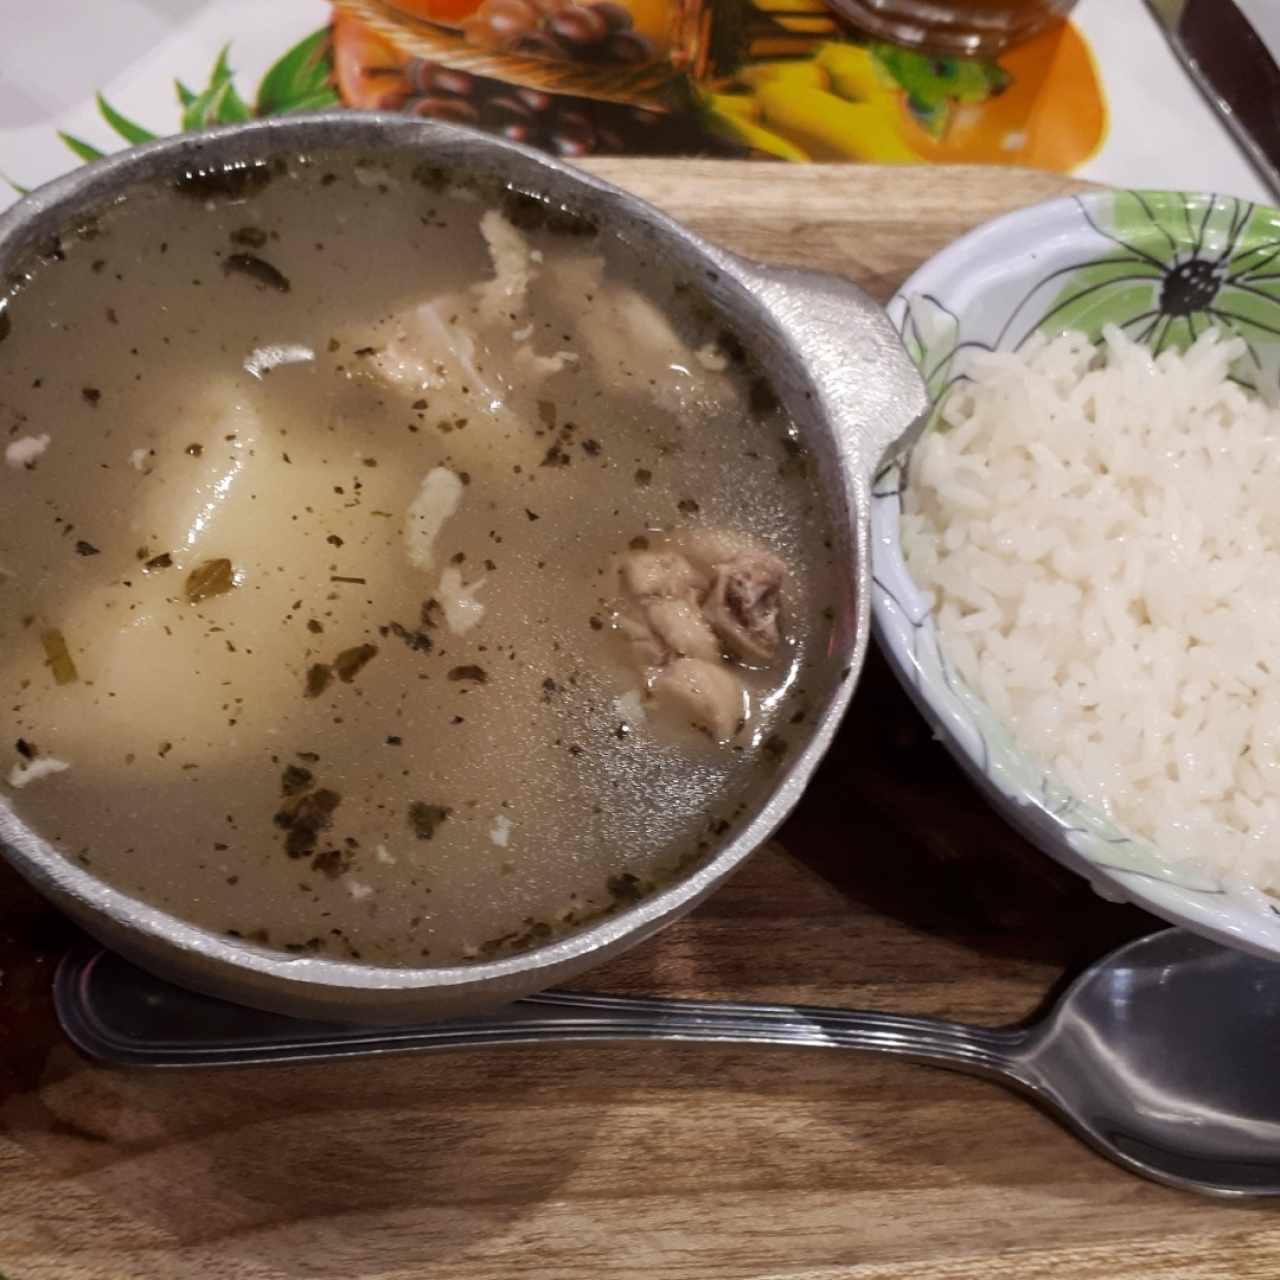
point(744, 603)
point(438, 499)
point(705, 694)
point(662, 616)
point(633, 344)
point(430, 349)
point(647, 648)
point(514, 270)
point(441, 351)
point(681, 627)
point(443, 343)
point(462, 610)
point(664, 575)
point(538, 368)
point(688, 610)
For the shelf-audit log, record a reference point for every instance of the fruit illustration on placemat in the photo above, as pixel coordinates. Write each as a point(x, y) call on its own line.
point(777, 78)
point(1043, 108)
point(1040, 105)
point(571, 78)
point(370, 67)
point(597, 49)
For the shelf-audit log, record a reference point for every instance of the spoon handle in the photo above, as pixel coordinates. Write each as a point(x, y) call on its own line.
point(121, 1014)
point(561, 1016)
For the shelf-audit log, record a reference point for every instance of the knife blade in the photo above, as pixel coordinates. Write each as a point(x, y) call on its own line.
point(1235, 71)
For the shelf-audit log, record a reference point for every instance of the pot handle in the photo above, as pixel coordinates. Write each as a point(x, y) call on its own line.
point(869, 387)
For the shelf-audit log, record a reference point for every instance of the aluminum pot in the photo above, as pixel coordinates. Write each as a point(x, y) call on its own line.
point(835, 362)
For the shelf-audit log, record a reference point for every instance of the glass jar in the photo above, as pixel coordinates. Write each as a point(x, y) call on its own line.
point(974, 28)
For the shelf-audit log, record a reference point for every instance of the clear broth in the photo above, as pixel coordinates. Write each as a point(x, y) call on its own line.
point(490, 794)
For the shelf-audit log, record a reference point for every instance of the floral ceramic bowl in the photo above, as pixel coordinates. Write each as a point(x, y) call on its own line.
point(1163, 266)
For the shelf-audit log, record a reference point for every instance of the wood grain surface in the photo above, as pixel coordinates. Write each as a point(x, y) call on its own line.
point(892, 888)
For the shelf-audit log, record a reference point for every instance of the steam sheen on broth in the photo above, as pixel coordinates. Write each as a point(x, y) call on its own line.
point(322, 511)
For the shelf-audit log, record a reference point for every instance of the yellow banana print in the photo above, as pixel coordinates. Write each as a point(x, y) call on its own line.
point(830, 128)
point(752, 135)
point(793, 73)
point(853, 73)
point(741, 106)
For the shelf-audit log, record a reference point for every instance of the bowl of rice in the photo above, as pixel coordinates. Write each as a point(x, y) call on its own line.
point(1077, 567)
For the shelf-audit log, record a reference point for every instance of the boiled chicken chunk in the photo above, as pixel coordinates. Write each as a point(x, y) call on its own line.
point(683, 629)
point(744, 604)
point(661, 575)
point(664, 618)
point(429, 350)
point(633, 344)
point(689, 610)
point(707, 695)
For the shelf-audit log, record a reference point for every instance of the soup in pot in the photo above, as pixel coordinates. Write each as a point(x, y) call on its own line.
point(392, 569)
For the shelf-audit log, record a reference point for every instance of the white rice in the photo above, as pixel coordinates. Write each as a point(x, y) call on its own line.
point(1099, 539)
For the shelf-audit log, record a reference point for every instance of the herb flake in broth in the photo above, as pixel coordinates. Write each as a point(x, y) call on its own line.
point(257, 269)
point(59, 657)
point(211, 578)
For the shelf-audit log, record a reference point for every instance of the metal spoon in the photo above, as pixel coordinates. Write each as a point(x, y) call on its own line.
point(1164, 1056)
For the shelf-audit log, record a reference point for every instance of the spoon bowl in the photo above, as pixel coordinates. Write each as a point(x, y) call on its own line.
point(1161, 1055)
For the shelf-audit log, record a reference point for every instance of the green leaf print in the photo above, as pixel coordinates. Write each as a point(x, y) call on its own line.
point(300, 79)
point(130, 132)
point(80, 147)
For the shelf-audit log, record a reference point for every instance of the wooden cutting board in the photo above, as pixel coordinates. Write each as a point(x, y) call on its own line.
point(892, 888)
